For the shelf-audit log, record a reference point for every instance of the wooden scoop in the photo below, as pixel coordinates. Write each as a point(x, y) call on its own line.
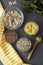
point(37, 41)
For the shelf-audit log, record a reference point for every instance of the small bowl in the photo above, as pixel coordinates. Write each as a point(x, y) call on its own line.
point(11, 35)
point(23, 44)
point(19, 11)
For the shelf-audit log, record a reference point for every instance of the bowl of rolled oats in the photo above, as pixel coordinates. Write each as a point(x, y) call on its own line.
point(13, 19)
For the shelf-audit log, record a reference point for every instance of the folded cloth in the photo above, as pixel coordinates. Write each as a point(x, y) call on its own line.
point(8, 54)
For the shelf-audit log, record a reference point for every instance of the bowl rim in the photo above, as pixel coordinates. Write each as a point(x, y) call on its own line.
point(29, 42)
point(11, 31)
point(19, 10)
point(37, 29)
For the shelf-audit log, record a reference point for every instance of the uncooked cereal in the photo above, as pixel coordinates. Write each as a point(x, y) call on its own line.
point(23, 44)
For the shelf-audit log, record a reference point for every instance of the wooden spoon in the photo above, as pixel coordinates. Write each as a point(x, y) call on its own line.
point(37, 41)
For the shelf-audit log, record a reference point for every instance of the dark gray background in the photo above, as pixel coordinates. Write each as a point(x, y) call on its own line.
point(1, 63)
point(37, 58)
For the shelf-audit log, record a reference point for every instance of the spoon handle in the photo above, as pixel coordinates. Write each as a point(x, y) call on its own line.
point(30, 54)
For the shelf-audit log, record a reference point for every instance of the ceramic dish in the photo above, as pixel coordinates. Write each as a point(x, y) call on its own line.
point(31, 28)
